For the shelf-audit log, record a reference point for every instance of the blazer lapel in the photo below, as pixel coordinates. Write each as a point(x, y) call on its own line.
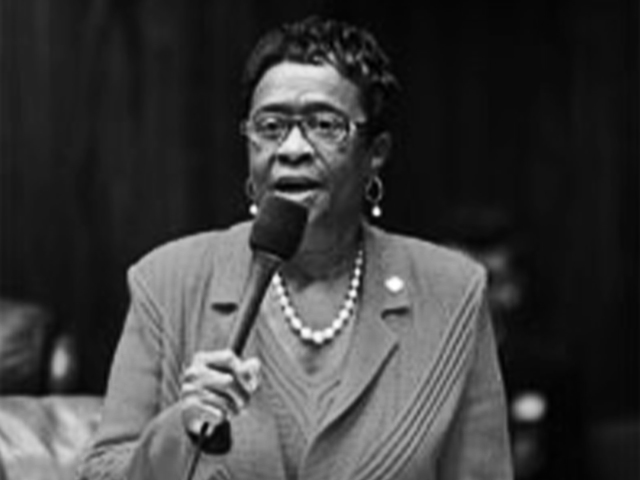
point(229, 274)
point(385, 300)
point(373, 340)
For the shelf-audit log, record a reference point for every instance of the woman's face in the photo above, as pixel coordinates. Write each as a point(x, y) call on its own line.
point(327, 177)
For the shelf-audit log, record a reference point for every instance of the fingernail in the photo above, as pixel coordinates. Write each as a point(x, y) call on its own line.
point(254, 382)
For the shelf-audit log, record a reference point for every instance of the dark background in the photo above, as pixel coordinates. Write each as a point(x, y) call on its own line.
point(119, 131)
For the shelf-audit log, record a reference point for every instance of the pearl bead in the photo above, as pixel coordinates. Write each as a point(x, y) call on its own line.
point(296, 323)
point(321, 337)
point(306, 333)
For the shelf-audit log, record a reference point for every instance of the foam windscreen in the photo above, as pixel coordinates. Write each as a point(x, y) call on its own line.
point(279, 227)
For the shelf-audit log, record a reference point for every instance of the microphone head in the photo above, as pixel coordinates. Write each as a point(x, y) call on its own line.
point(279, 227)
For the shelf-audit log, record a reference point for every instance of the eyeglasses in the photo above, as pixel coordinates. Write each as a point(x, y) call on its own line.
point(325, 128)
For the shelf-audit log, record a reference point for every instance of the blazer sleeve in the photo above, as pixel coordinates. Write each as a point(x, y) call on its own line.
point(477, 446)
point(134, 431)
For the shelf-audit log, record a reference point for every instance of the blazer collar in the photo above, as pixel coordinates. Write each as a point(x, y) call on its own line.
point(232, 260)
point(387, 273)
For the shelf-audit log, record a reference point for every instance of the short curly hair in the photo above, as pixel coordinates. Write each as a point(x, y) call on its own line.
point(353, 51)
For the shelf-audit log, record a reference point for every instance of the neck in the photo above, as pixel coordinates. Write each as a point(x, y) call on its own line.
point(324, 254)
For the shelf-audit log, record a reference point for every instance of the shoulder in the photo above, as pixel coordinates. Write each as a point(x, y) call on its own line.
point(443, 264)
point(188, 258)
point(442, 274)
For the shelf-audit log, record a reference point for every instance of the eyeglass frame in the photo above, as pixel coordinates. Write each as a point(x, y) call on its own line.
point(298, 120)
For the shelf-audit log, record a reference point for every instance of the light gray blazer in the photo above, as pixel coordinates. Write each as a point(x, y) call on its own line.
point(421, 395)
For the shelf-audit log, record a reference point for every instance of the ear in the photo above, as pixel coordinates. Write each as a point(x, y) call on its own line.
point(380, 150)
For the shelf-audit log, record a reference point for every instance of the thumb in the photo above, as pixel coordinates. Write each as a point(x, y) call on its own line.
point(249, 374)
point(200, 419)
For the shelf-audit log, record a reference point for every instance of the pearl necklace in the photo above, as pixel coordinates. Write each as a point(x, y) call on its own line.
point(326, 335)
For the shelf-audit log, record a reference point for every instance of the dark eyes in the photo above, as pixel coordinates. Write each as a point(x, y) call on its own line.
point(328, 129)
point(323, 124)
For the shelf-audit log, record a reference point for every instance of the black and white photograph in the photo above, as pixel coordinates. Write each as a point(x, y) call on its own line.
point(319, 240)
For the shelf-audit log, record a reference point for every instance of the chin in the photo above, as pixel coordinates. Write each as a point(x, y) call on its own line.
point(326, 220)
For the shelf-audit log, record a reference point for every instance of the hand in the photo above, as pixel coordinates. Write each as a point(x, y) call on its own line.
point(214, 386)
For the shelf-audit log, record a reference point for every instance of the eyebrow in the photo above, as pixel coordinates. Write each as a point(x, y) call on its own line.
point(310, 107)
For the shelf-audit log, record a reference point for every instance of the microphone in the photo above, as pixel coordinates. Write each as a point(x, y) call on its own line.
point(275, 237)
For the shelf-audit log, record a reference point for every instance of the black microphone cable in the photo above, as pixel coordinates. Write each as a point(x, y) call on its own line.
point(196, 451)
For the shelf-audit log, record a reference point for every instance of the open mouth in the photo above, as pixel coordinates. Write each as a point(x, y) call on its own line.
point(296, 185)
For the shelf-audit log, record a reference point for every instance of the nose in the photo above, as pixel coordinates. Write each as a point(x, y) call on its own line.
point(295, 147)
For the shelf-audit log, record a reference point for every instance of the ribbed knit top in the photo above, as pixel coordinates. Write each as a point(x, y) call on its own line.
point(299, 402)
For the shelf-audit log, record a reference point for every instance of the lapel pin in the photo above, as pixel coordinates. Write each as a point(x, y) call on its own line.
point(394, 284)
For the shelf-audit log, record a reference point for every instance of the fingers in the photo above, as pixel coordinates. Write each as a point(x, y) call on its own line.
point(248, 374)
point(217, 395)
point(219, 384)
point(199, 418)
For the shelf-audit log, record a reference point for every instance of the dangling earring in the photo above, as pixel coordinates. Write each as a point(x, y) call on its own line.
point(374, 192)
point(250, 191)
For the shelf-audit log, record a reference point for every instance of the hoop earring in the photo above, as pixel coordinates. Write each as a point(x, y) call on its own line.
point(250, 191)
point(374, 193)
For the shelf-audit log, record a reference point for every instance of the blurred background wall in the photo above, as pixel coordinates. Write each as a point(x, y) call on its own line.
point(119, 130)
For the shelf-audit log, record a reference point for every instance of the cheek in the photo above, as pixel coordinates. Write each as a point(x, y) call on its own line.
point(351, 170)
point(258, 167)
point(349, 182)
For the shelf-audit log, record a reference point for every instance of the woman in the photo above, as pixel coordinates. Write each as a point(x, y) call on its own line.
point(372, 356)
